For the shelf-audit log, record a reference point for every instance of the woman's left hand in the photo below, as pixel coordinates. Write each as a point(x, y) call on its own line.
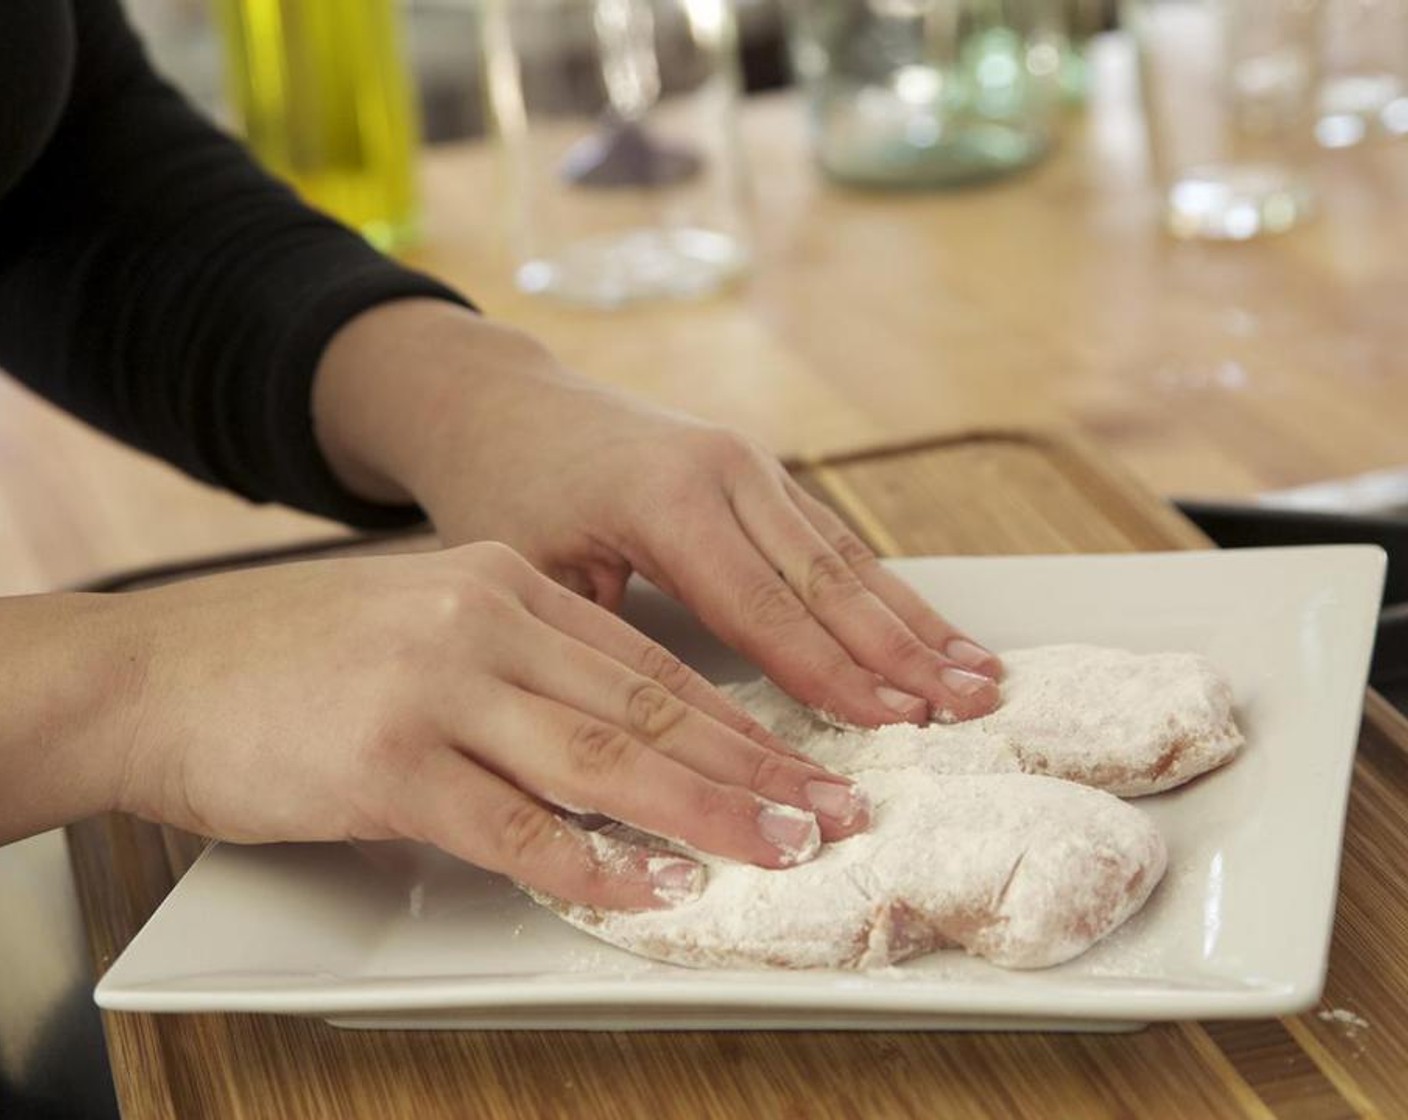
point(424, 401)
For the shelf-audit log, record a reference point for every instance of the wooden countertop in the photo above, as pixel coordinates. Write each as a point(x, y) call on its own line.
point(1052, 297)
point(1049, 298)
point(1346, 1057)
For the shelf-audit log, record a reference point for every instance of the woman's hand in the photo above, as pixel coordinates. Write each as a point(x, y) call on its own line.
point(449, 697)
point(479, 425)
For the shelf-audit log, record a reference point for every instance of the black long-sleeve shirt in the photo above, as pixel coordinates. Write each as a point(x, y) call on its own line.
point(153, 280)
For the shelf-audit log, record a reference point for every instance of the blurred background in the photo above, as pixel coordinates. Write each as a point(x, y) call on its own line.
point(443, 42)
point(1269, 373)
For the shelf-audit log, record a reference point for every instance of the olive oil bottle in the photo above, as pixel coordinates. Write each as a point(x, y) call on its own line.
point(322, 92)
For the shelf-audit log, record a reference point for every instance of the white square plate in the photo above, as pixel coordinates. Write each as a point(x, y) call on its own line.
point(1240, 926)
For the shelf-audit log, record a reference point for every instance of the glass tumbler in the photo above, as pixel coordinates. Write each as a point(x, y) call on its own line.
point(618, 126)
point(1364, 86)
point(1228, 90)
point(927, 92)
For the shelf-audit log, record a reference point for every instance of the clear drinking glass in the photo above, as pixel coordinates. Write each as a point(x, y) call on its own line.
point(1364, 87)
point(1228, 88)
point(618, 122)
point(927, 92)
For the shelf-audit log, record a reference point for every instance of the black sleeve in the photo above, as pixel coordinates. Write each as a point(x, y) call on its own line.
point(158, 284)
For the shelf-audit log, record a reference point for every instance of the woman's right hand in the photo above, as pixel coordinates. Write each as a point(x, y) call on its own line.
point(451, 697)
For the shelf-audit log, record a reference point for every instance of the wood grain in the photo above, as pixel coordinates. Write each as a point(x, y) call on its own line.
point(1043, 493)
point(1049, 299)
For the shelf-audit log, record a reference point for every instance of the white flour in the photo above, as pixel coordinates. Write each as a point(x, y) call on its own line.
point(1344, 1018)
point(1128, 723)
point(1025, 871)
point(968, 847)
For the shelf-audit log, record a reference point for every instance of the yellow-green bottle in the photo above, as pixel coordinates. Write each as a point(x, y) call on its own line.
point(323, 95)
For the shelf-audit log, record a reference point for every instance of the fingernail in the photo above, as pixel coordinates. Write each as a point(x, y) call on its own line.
point(793, 832)
point(962, 682)
point(969, 654)
point(675, 881)
point(843, 803)
point(901, 703)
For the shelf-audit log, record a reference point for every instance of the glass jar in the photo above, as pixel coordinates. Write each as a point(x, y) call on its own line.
point(927, 92)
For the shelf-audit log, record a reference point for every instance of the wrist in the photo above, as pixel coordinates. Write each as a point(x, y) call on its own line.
point(70, 687)
point(408, 386)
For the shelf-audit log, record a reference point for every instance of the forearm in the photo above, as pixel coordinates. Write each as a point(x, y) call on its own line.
point(495, 440)
point(158, 284)
point(70, 672)
point(409, 387)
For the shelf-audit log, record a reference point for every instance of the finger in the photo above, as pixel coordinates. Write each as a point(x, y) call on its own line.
point(546, 662)
point(731, 587)
point(872, 633)
point(735, 590)
point(572, 759)
point(466, 811)
point(932, 629)
point(613, 636)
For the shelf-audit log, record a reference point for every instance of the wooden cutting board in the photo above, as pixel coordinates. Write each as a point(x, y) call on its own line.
point(985, 493)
